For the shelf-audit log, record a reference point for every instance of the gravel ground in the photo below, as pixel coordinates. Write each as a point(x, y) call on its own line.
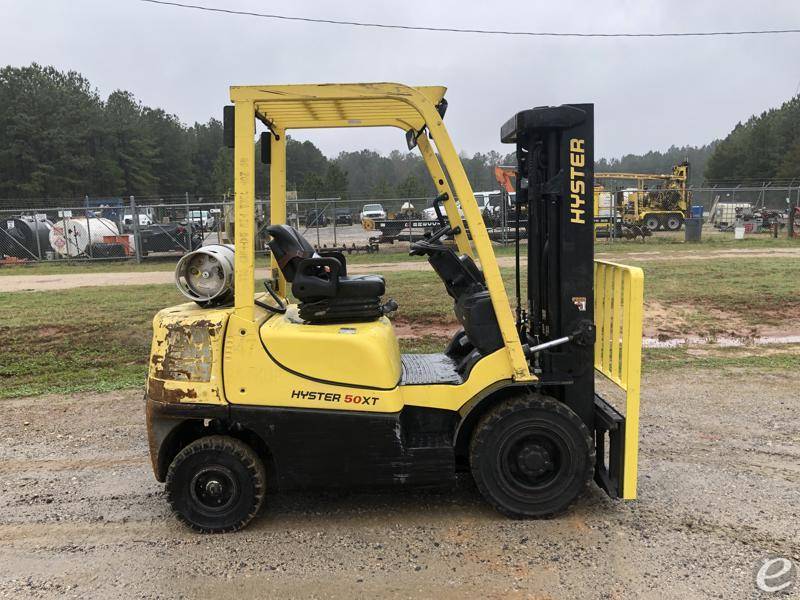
point(720, 467)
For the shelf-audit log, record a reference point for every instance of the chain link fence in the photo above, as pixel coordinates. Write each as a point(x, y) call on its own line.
point(144, 228)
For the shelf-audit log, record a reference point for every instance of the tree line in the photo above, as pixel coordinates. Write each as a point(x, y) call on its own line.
point(662, 162)
point(60, 139)
point(764, 148)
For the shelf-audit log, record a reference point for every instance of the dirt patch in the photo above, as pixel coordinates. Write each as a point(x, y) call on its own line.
point(413, 330)
point(662, 322)
point(703, 320)
point(678, 255)
point(719, 486)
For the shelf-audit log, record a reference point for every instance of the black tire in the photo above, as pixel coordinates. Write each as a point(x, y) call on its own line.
point(531, 456)
point(652, 222)
point(673, 222)
point(216, 484)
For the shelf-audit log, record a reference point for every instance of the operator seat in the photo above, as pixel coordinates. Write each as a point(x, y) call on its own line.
point(320, 282)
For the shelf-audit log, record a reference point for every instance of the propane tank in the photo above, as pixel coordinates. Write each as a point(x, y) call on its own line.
point(20, 237)
point(206, 275)
point(72, 236)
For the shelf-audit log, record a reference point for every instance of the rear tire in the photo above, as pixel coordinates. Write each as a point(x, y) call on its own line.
point(652, 222)
point(673, 222)
point(531, 456)
point(216, 484)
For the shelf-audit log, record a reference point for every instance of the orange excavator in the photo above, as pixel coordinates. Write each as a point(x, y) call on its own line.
point(517, 218)
point(505, 177)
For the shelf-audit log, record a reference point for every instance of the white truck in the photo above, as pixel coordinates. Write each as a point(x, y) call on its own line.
point(487, 202)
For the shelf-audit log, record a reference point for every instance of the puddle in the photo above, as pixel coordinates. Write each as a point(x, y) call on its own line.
point(722, 342)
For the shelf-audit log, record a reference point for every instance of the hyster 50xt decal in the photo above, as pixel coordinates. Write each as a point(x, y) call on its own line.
point(334, 397)
point(577, 181)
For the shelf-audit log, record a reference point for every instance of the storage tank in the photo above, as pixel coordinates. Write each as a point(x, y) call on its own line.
point(72, 236)
point(206, 275)
point(19, 236)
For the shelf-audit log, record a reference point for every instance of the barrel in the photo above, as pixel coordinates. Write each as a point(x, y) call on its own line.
point(693, 228)
point(72, 237)
point(25, 236)
point(697, 211)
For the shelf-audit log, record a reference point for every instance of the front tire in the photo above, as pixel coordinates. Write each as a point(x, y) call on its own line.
point(216, 484)
point(531, 456)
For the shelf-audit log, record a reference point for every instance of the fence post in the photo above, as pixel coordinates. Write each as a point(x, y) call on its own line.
point(189, 220)
point(219, 222)
point(408, 216)
point(316, 218)
point(36, 234)
point(88, 225)
point(334, 224)
point(137, 238)
point(65, 222)
point(60, 213)
point(504, 199)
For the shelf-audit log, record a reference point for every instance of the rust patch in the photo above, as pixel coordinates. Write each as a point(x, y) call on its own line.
point(188, 352)
point(157, 391)
point(211, 327)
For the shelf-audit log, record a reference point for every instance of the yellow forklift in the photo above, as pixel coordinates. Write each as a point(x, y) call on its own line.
point(249, 392)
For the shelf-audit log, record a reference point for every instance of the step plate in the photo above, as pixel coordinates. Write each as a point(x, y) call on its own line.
point(429, 369)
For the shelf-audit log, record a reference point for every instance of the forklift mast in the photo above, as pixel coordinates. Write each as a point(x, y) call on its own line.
point(555, 157)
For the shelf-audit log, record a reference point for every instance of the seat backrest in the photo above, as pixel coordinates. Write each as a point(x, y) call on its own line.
point(289, 248)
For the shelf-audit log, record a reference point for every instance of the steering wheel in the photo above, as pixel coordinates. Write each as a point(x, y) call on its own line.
point(429, 245)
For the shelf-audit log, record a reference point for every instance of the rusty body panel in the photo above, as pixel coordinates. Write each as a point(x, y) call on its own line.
point(186, 355)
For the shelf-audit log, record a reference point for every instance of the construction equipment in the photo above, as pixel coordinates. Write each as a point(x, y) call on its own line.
point(511, 216)
point(506, 176)
point(662, 207)
point(608, 219)
point(256, 394)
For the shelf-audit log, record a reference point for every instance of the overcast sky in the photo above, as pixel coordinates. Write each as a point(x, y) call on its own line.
point(648, 93)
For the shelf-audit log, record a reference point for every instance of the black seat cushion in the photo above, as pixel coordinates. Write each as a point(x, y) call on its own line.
point(361, 286)
point(320, 283)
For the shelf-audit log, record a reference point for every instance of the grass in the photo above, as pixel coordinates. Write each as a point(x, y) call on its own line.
point(757, 290)
point(85, 339)
point(783, 358)
point(98, 339)
point(428, 344)
point(674, 242)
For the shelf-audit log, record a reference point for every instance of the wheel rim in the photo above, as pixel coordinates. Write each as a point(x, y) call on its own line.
point(214, 489)
point(673, 223)
point(652, 223)
point(532, 460)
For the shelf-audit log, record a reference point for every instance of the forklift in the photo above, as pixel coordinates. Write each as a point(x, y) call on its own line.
point(251, 391)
